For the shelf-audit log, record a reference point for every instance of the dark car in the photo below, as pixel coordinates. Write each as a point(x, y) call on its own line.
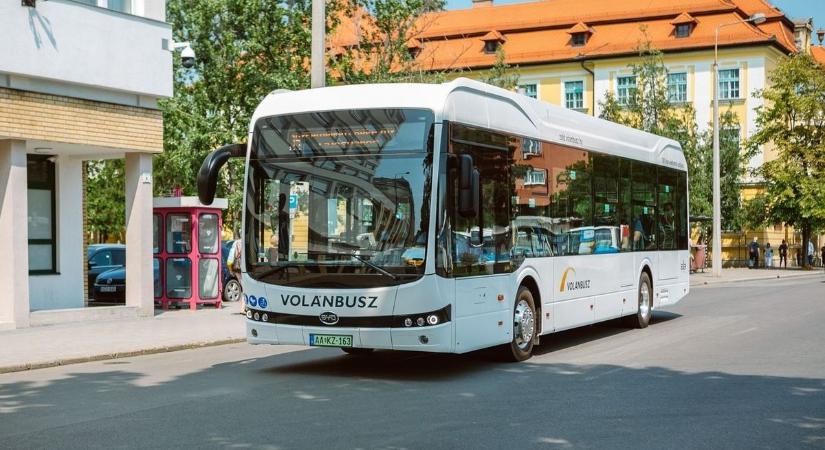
point(110, 286)
point(232, 291)
point(103, 258)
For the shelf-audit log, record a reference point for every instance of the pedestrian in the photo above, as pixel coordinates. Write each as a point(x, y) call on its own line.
point(753, 262)
point(768, 255)
point(783, 254)
point(810, 252)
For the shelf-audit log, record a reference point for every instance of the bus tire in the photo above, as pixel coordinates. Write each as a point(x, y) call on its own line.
point(524, 327)
point(357, 350)
point(645, 299)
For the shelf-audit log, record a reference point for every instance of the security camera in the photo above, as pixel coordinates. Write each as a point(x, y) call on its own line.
point(187, 57)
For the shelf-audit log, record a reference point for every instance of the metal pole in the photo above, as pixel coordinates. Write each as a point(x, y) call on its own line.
point(717, 200)
point(317, 71)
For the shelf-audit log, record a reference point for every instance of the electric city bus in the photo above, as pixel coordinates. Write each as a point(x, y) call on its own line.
point(449, 218)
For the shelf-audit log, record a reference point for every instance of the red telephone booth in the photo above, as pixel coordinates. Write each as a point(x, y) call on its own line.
point(187, 251)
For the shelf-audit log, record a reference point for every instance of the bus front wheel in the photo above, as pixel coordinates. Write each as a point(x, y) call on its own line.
point(524, 327)
point(645, 298)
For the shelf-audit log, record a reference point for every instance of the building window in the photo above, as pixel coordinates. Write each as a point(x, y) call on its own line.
point(574, 94)
point(730, 136)
point(677, 87)
point(535, 177)
point(683, 30)
point(578, 39)
point(625, 89)
point(41, 215)
point(729, 84)
point(491, 46)
point(530, 90)
point(124, 6)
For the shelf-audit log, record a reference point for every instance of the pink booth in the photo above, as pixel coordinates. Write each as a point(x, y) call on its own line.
point(187, 251)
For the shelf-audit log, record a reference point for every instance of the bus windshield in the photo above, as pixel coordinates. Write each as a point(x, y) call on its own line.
point(339, 198)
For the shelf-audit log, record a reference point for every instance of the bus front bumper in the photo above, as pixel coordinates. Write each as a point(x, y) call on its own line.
point(438, 338)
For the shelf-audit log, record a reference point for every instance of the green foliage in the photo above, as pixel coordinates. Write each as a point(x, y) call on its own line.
point(648, 108)
point(792, 122)
point(382, 54)
point(245, 49)
point(502, 74)
point(106, 199)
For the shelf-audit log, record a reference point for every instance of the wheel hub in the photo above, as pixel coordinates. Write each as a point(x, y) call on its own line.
point(644, 300)
point(523, 324)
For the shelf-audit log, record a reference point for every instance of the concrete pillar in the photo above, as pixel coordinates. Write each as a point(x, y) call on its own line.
point(14, 229)
point(139, 274)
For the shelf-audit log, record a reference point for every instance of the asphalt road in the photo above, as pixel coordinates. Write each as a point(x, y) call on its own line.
point(740, 365)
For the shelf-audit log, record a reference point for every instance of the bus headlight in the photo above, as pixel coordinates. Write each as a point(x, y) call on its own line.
point(407, 322)
point(257, 316)
point(419, 321)
point(265, 317)
point(432, 319)
point(248, 313)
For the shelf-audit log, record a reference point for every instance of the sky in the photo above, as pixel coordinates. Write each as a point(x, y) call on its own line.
point(793, 8)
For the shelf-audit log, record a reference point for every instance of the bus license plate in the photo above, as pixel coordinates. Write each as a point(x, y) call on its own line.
point(330, 340)
point(108, 289)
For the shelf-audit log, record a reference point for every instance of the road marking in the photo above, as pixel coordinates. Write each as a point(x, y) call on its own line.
point(744, 331)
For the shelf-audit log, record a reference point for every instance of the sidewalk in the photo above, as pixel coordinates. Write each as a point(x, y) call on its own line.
point(53, 345)
point(745, 274)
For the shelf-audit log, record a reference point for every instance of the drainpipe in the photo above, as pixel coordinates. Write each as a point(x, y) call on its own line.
point(593, 81)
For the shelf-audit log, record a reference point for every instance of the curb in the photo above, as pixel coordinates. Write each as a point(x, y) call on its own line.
point(761, 278)
point(109, 356)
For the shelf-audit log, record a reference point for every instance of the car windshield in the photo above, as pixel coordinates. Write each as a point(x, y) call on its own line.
point(339, 199)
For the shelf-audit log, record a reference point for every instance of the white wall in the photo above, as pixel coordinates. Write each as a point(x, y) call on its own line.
point(71, 42)
point(64, 290)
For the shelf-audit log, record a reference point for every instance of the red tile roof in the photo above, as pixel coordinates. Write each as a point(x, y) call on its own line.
point(537, 32)
point(818, 53)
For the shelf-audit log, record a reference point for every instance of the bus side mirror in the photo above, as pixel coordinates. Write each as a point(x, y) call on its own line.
point(469, 193)
point(208, 173)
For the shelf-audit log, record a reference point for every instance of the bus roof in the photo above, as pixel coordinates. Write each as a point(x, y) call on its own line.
point(474, 103)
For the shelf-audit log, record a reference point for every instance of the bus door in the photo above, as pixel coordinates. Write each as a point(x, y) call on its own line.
point(482, 244)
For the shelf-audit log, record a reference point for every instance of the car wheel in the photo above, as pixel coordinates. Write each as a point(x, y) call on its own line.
point(524, 328)
point(232, 291)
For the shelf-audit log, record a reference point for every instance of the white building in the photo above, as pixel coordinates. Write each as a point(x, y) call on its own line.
point(79, 80)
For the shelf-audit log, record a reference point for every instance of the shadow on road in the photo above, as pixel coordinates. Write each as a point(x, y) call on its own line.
point(322, 398)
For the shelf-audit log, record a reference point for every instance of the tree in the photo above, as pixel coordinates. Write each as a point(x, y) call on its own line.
point(106, 199)
point(245, 49)
point(387, 46)
point(502, 74)
point(792, 122)
point(648, 107)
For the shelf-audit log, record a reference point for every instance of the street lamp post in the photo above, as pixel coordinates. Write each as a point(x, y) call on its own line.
point(317, 72)
point(717, 196)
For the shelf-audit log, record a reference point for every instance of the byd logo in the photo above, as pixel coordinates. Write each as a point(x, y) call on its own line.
point(328, 318)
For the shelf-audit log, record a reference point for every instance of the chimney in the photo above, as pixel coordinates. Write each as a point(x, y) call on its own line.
point(482, 3)
point(803, 28)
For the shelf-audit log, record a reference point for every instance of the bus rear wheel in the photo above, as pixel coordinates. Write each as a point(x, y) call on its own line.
point(357, 351)
point(645, 299)
point(524, 327)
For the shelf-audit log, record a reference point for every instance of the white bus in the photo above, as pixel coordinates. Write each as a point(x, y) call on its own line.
point(450, 218)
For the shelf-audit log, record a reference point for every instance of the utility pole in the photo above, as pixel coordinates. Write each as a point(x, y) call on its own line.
point(317, 63)
point(716, 261)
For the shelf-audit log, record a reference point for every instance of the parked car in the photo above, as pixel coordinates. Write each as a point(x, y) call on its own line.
point(232, 291)
point(103, 258)
point(110, 286)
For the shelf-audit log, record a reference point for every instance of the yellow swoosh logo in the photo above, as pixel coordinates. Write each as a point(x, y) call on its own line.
point(564, 278)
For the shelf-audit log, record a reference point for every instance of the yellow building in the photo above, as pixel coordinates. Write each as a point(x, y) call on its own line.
point(573, 52)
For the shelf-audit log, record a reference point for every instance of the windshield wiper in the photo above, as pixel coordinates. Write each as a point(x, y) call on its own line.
point(374, 266)
point(377, 268)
